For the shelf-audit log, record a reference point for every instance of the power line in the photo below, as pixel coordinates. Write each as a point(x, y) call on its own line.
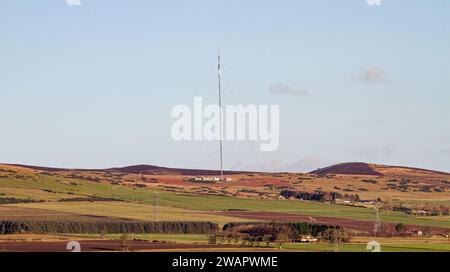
point(225, 89)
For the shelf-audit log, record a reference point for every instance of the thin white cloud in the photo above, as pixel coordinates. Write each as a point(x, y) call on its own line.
point(306, 164)
point(73, 2)
point(372, 75)
point(282, 89)
point(373, 152)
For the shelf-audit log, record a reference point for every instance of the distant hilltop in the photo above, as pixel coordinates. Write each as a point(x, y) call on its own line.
point(351, 168)
point(136, 169)
point(361, 168)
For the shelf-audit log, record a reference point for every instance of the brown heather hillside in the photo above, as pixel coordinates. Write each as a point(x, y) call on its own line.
point(361, 168)
point(133, 169)
point(368, 181)
point(354, 168)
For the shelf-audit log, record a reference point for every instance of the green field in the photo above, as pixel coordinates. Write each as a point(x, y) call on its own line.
point(134, 211)
point(323, 247)
point(387, 244)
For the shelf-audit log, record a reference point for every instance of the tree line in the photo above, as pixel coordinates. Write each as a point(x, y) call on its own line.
point(318, 195)
point(105, 227)
point(269, 232)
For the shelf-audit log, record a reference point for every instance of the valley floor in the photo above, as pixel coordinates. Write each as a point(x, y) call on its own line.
point(189, 242)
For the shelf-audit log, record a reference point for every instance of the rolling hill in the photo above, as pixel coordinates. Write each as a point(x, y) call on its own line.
point(368, 181)
point(361, 168)
point(354, 168)
point(133, 169)
point(130, 193)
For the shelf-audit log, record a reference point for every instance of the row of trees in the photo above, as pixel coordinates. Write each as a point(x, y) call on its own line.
point(90, 199)
point(417, 210)
point(11, 200)
point(260, 228)
point(319, 195)
point(105, 227)
point(266, 233)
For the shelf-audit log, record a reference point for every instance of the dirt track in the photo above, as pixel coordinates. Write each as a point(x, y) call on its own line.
point(96, 245)
point(343, 222)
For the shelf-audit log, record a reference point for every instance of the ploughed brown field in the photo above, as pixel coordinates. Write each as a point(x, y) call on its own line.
point(99, 246)
point(14, 213)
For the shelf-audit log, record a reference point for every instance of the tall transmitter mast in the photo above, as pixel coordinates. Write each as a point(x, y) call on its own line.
point(220, 117)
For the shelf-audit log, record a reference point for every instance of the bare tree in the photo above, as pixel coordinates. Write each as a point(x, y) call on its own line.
point(125, 243)
point(267, 239)
point(282, 237)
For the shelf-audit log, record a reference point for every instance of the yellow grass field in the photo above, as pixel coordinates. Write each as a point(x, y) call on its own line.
point(133, 211)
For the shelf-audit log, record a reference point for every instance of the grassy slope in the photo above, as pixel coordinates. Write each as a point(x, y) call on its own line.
point(387, 244)
point(292, 206)
point(363, 247)
point(133, 211)
point(62, 187)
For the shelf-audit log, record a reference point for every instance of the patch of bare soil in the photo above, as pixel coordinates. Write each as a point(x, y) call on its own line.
point(98, 245)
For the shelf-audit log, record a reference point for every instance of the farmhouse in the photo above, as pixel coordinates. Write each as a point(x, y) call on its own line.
point(421, 212)
point(308, 239)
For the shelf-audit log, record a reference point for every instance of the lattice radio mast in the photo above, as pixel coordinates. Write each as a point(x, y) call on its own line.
point(219, 76)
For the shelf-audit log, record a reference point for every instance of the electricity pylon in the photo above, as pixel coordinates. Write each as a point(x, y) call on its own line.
point(336, 240)
point(155, 206)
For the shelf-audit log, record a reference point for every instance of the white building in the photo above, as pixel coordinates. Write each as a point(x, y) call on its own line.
point(211, 178)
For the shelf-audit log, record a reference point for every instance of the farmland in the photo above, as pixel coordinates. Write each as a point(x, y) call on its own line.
point(117, 195)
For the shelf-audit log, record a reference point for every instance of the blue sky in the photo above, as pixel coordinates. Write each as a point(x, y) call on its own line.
point(94, 85)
